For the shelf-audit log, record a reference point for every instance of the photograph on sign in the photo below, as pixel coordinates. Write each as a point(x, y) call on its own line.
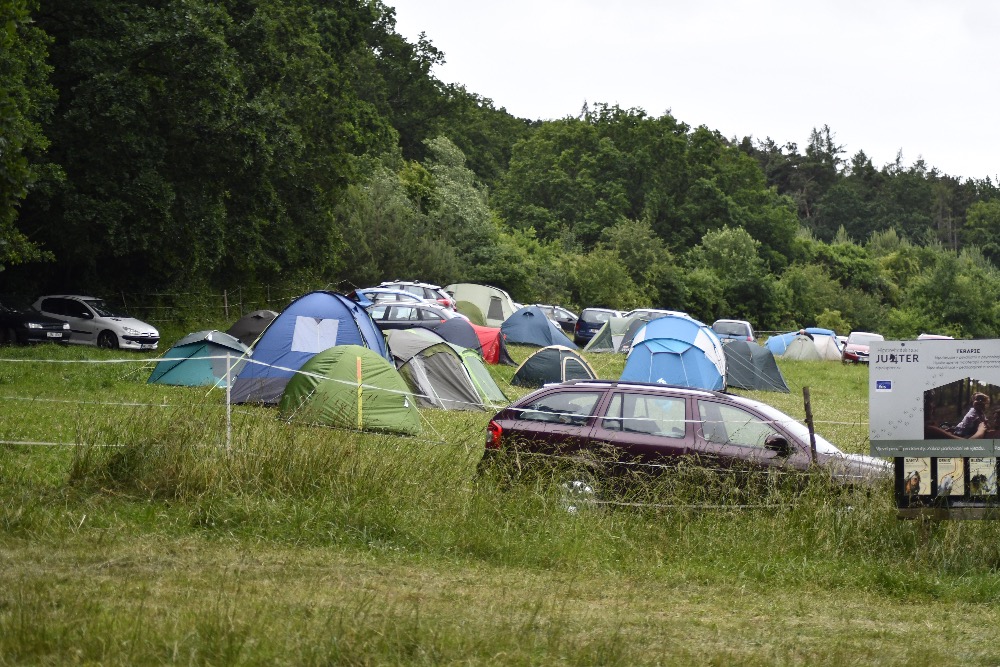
point(916, 476)
point(982, 476)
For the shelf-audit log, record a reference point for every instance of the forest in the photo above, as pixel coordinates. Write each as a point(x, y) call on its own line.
point(186, 146)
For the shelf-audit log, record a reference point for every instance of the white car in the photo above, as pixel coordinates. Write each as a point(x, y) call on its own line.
point(92, 322)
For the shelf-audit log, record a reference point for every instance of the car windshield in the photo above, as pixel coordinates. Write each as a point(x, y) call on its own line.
point(101, 308)
point(731, 328)
point(797, 428)
point(864, 338)
point(596, 316)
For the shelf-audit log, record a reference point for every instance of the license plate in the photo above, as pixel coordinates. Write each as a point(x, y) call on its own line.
point(53, 334)
point(147, 346)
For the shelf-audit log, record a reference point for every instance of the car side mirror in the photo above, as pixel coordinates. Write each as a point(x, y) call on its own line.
point(778, 443)
point(86, 315)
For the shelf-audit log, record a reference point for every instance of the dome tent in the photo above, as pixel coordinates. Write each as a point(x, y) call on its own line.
point(530, 326)
point(433, 370)
point(203, 358)
point(310, 324)
point(350, 386)
point(677, 350)
point(249, 327)
point(554, 363)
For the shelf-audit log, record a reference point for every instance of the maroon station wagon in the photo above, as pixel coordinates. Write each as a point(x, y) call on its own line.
point(650, 423)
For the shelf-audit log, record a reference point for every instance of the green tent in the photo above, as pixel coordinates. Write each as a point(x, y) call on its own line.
point(609, 337)
point(350, 386)
point(481, 378)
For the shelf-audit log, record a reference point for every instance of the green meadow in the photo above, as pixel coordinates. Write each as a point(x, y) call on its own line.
point(142, 524)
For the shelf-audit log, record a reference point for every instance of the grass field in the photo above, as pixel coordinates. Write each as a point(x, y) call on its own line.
point(138, 526)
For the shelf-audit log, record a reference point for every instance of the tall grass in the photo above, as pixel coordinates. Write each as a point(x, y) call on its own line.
point(158, 535)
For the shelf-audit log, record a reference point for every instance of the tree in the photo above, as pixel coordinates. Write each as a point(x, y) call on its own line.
point(25, 101)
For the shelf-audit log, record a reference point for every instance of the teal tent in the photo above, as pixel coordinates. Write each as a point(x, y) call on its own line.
point(203, 358)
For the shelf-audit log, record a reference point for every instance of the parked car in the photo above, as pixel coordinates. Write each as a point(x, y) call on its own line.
point(367, 296)
point(653, 313)
point(561, 316)
point(404, 316)
point(646, 423)
point(734, 329)
point(21, 326)
point(93, 322)
point(432, 294)
point(856, 349)
point(590, 322)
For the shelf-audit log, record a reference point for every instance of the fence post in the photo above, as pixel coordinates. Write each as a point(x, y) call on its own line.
point(809, 423)
point(225, 303)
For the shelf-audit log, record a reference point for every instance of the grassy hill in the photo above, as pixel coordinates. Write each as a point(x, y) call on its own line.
point(138, 525)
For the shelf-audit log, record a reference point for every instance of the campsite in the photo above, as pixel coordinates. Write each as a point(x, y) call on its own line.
point(146, 523)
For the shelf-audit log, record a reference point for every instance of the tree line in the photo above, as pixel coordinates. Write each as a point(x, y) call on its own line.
point(194, 145)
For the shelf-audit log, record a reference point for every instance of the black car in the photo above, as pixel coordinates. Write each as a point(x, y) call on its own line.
point(644, 423)
point(21, 326)
point(590, 322)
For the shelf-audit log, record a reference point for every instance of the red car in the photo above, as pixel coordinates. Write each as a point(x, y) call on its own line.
point(653, 423)
point(856, 349)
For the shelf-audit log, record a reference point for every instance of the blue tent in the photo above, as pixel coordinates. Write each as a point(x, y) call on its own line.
point(779, 343)
point(203, 358)
point(677, 350)
point(530, 326)
point(311, 324)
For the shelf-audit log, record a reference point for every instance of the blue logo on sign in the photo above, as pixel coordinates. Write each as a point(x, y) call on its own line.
point(883, 385)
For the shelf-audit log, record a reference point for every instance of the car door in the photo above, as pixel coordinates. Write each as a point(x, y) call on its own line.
point(646, 428)
point(557, 421)
point(76, 314)
point(728, 435)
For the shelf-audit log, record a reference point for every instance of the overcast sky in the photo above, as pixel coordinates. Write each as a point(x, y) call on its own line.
point(917, 76)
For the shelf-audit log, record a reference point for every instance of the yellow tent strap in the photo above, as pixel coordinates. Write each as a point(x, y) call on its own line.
point(360, 420)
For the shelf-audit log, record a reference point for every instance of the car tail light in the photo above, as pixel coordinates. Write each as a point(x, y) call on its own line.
point(493, 434)
point(445, 303)
point(749, 339)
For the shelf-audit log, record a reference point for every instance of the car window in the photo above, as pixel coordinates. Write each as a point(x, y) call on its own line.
point(729, 425)
point(428, 314)
point(398, 313)
point(76, 309)
point(378, 312)
point(731, 328)
point(567, 407)
point(639, 413)
point(595, 316)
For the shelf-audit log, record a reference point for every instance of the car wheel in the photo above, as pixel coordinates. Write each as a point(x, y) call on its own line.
point(108, 340)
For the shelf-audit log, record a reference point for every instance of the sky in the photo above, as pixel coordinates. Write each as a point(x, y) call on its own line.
point(918, 77)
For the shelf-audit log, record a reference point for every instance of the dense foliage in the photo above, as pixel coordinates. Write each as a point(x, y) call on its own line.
point(194, 145)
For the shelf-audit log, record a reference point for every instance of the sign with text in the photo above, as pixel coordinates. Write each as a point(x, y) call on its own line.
point(934, 398)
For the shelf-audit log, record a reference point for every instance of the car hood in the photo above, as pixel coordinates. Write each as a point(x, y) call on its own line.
point(857, 468)
point(132, 323)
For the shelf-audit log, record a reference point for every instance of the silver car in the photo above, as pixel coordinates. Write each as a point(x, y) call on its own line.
point(93, 322)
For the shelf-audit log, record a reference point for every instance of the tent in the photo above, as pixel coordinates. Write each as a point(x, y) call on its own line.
point(203, 358)
point(752, 366)
point(459, 331)
point(491, 303)
point(802, 348)
point(310, 324)
point(554, 363)
point(530, 326)
point(616, 334)
point(493, 345)
point(433, 370)
point(249, 327)
point(779, 342)
point(350, 386)
point(677, 350)
point(485, 384)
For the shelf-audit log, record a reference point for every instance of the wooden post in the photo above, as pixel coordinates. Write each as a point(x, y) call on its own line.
point(225, 303)
point(809, 423)
point(360, 404)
